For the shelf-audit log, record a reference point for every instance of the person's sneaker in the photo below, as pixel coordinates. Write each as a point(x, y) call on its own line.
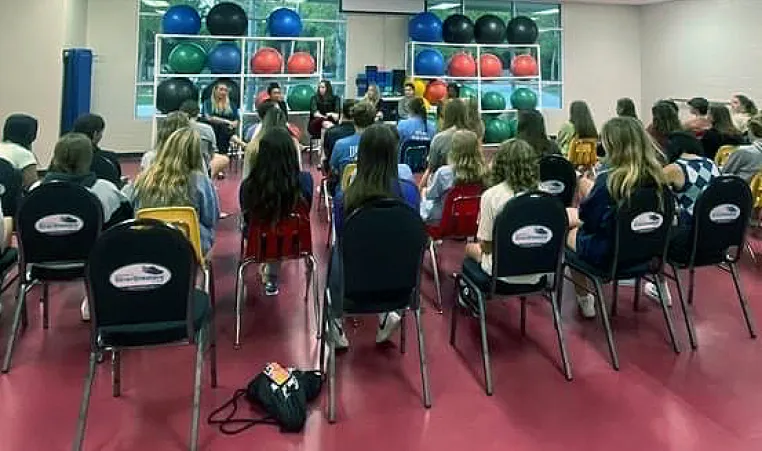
point(84, 310)
point(650, 290)
point(271, 288)
point(586, 305)
point(386, 327)
point(337, 336)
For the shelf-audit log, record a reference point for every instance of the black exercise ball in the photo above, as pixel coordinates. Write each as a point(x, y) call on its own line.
point(234, 91)
point(172, 92)
point(522, 30)
point(227, 19)
point(458, 29)
point(490, 29)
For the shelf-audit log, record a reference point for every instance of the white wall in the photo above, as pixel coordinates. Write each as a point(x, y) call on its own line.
point(375, 40)
point(75, 33)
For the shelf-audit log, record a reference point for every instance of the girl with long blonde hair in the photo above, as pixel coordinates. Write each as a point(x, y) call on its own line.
point(174, 121)
point(373, 96)
point(223, 116)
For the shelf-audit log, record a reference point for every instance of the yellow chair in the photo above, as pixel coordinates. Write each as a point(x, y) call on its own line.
point(583, 152)
point(186, 220)
point(721, 158)
point(348, 175)
point(756, 193)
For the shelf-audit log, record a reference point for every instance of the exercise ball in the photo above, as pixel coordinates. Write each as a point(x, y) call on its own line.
point(524, 99)
point(187, 58)
point(225, 58)
point(171, 93)
point(522, 30)
point(301, 63)
point(234, 91)
point(227, 19)
point(299, 97)
point(491, 65)
point(181, 19)
point(490, 29)
point(467, 92)
point(497, 131)
point(524, 66)
point(493, 101)
point(266, 60)
point(429, 62)
point(462, 65)
point(425, 27)
point(458, 29)
point(261, 97)
point(284, 23)
point(436, 91)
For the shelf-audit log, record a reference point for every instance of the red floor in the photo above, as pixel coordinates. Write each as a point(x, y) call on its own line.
point(708, 400)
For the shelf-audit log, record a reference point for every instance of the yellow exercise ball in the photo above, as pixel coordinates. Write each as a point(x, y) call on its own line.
point(420, 86)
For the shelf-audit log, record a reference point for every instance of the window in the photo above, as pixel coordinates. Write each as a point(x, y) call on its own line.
point(321, 18)
point(548, 19)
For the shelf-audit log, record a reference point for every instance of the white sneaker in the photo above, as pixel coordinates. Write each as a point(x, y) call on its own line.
point(627, 283)
point(388, 323)
point(650, 290)
point(337, 336)
point(586, 305)
point(84, 310)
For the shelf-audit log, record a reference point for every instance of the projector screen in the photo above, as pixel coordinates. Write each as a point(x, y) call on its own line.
point(383, 6)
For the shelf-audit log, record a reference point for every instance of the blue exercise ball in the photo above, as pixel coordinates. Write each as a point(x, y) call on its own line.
point(284, 23)
point(224, 58)
point(425, 27)
point(181, 19)
point(429, 62)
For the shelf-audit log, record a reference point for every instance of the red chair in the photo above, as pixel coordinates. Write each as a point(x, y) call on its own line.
point(289, 239)
point(460, 217)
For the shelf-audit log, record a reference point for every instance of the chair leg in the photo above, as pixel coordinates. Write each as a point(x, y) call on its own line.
point(324, 333)
point(17, 314)
point(209, 274)
point(211, 330)
point(691, 284)
point(82, 421)
point(435, 269)
point(238, 307)
point(751, 252)
point(603, 311)
point(636, 301)
point(45, 301)
point(742, 300)
point(314, 278)
point(485, 344)
point(615, 298)
point(456, 308)
point(686, 313)
point(200, 346)
point(403, 333)
point(331, 383)
point(523, 315)
point(423, 361)
point(667, 314)
point(116, 373)
point(560, 333)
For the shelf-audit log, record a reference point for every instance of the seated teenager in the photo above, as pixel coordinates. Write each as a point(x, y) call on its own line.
point(579, 126)
point(19, 132)
point(743, 110)
point(273, 117)
point(531, 128)
point(403, 107)
point(625, 107)
point(93, 126)
point(465, 166)
point(345, 128)
point(632, 163)
point(664, 122)
point(166, 126)
point(223, 115)
point(273, 189)
point(416, 127)
point(474, 121)
point(746, 162)
point(324, 109)
point(177, 179)
point(699, 121)
point(213, 160)
point(722, 133)
point(345, 149)
point(455, 117)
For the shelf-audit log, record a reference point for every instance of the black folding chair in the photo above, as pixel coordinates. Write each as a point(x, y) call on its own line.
point(641, 234)
point(10, 187)
point(141, 284)
point(528, 238)
point(414, 154)
point(717, 236)
point(375, 268)
point(105, 169)
point(57, 225)
point(558, 177)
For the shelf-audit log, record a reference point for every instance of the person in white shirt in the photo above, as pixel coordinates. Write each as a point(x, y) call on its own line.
point(19, 133)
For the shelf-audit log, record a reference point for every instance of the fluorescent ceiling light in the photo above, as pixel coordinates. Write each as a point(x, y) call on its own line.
point(445, 5)
point(156, 3)
point(546, 12)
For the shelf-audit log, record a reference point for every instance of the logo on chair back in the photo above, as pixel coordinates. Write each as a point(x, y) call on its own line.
point(140, 276)
point(532, 236)
point(724, 213)
point(59, 224)
point(554, 187)
point(646, 222)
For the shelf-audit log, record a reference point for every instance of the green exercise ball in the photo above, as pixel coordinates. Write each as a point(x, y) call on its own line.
point(524, 99)
point(492, 100)
point(187, 58)
point(467, 92)
point(299, 97)
point(497, 131)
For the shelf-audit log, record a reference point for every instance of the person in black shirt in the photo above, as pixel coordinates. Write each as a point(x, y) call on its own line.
point(722, 133)
point(275, 94)
point(345, 128)
point(324, 109)
point(92, 126)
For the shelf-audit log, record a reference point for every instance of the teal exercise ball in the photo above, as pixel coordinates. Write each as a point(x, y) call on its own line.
point(497, 131)
point(524, 99)
point(187, 58)
point(299, 97)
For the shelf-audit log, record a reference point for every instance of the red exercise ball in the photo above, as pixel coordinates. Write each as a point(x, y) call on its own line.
point(301, 63)
point(524, 66)
point(490, 65)
point(266, 60)
point(462, 65)
point(261, 97)
point(436, 91)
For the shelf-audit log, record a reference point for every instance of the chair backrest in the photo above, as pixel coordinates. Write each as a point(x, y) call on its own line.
point(558, 177)
point(460, 213)
point(723, 153)
point(756, 190)
point(414, 154)
point(141, 271)
point(382, 249)
point(105, 169)
point(290, 238)
point(184, 219)
point(642, 229)
point(349, 173)
point(529, 236)
point(721, 218)
point(583, 152)
point(10, 187)
point(58, 222)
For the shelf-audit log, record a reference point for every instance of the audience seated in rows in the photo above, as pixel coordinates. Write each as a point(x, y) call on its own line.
point(743, 109)
point(345, 150)
point(416, 127)
point(93, 126)
point(474, 121)
point(747, 160)
point(664, 122)
point(722, 132)
point(214, 161)
point(625, 107)
point(19, 132)
point(531, 128)
point(272, 117)
point(579, 126)
point(699, 121)
point(455, 118)
point(345, 128)
point(166, 126)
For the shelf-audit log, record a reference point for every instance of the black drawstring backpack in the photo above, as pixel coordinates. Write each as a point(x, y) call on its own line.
point(282, 393)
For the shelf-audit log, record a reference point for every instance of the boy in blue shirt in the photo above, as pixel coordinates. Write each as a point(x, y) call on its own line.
point(345, 149)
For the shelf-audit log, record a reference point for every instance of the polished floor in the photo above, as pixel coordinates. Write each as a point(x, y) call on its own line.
point(704, 400)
